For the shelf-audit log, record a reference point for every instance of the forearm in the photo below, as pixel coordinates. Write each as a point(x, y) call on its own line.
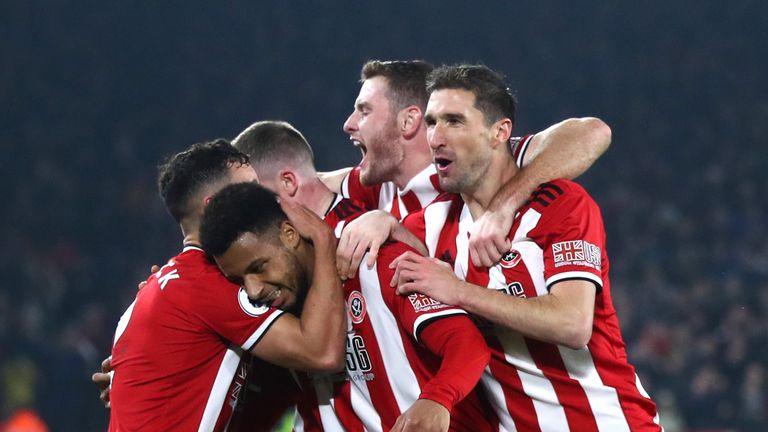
point(464, 356)
point(323, 321)
point(548, 318)
point(401, 234)
point(565, 150)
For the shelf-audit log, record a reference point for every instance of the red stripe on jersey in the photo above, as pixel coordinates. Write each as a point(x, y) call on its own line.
point(395, 210)
point(518, 404)
point(343, 408)
point(569, 392)
point(411, 202)
point(308, 406)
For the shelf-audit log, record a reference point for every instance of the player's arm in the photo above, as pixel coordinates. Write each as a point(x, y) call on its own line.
point(564, 316)
point(334, 179)
point(464, 354)
point(315, 341)
point(564, 150)
point(366, 234)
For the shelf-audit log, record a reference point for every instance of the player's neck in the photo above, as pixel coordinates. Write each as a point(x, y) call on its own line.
point(191, 236)
point(479, 197)
point(417, 159)
point(317, 197)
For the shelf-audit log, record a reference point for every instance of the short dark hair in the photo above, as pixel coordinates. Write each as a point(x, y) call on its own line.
point(492, 97)
point(237, 209)
point(272, 140)
point(406, 80)
point(185, 174)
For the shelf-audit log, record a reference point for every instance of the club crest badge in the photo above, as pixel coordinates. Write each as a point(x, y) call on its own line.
point(356, 307)
point(510, 259)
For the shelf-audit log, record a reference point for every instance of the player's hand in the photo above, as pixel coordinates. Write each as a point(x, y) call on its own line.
point(366, 233)
point(488, 240)
point(154, 269)
point(104, 380)
point(423, 416)
point(424, 275)
point(307, 223)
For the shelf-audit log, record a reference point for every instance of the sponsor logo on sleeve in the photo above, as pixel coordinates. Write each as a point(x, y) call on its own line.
point(356, 307)
point(576, 252)
point(249, 307)
point(422, 303)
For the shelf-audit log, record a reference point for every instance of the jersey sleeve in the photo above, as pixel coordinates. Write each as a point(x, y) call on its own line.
point(233, 316)
point(353, 189)
point(570, 233)
point(519, 146)
point(416, 311)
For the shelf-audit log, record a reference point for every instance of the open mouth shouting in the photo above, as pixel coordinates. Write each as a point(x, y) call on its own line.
point(442, 163)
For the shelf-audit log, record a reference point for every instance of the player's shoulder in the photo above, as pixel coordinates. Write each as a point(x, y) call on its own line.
point(197, 269)
point(556, 194)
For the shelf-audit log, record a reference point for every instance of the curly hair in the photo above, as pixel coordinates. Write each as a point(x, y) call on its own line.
point(237, 209)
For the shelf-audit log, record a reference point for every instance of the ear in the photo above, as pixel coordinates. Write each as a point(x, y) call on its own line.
point(409, 121)
point(502, 130)
point(207, 200)
point(289, 236)
point(288, 182)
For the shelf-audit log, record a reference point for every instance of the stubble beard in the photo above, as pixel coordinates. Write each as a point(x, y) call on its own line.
point(388, 155)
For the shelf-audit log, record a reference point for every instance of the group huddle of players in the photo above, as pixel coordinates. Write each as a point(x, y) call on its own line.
point(454, 279)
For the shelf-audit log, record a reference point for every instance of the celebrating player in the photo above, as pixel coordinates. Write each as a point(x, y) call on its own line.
point(396, 173)
point(558, 358)
point(177, 349)
point(409, 360)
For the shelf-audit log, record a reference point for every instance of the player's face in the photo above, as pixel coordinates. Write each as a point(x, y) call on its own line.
point(372, 127)
point(458, 137)
point(269, 272)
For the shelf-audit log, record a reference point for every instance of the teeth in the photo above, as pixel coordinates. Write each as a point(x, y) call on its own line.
point(273, 295)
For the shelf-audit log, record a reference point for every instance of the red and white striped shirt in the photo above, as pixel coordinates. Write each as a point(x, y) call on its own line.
point(177, 350)
point(421, 190)
point(557, 235)
point(387, 368)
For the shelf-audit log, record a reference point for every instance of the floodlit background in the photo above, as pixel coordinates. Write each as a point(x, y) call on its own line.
point(94, 94)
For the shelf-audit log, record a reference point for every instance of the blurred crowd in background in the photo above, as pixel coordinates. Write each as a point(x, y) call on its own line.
point(93, 99)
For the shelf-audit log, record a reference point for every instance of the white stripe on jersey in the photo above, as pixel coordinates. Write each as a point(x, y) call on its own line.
point(528, 221)
point(426, 317)
point(122, 324)
point(574, 275)
point(434, 220)
point(219, 390)
point(261, 330)
point(603, 400)
point(387, 197)
point(461, 266)
point(360, 399)
point(549, 412)
point(325, 405)
point(401, 377)
point(495, 395)
point(523, 149)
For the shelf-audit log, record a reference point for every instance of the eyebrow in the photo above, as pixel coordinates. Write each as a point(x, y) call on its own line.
point(253, 265)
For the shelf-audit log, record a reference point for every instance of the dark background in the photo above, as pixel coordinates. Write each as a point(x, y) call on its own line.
point(94, 94)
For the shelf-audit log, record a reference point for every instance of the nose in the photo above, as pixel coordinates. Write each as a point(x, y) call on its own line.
point(435, 137)
point(350, 125)
point(254, 287)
